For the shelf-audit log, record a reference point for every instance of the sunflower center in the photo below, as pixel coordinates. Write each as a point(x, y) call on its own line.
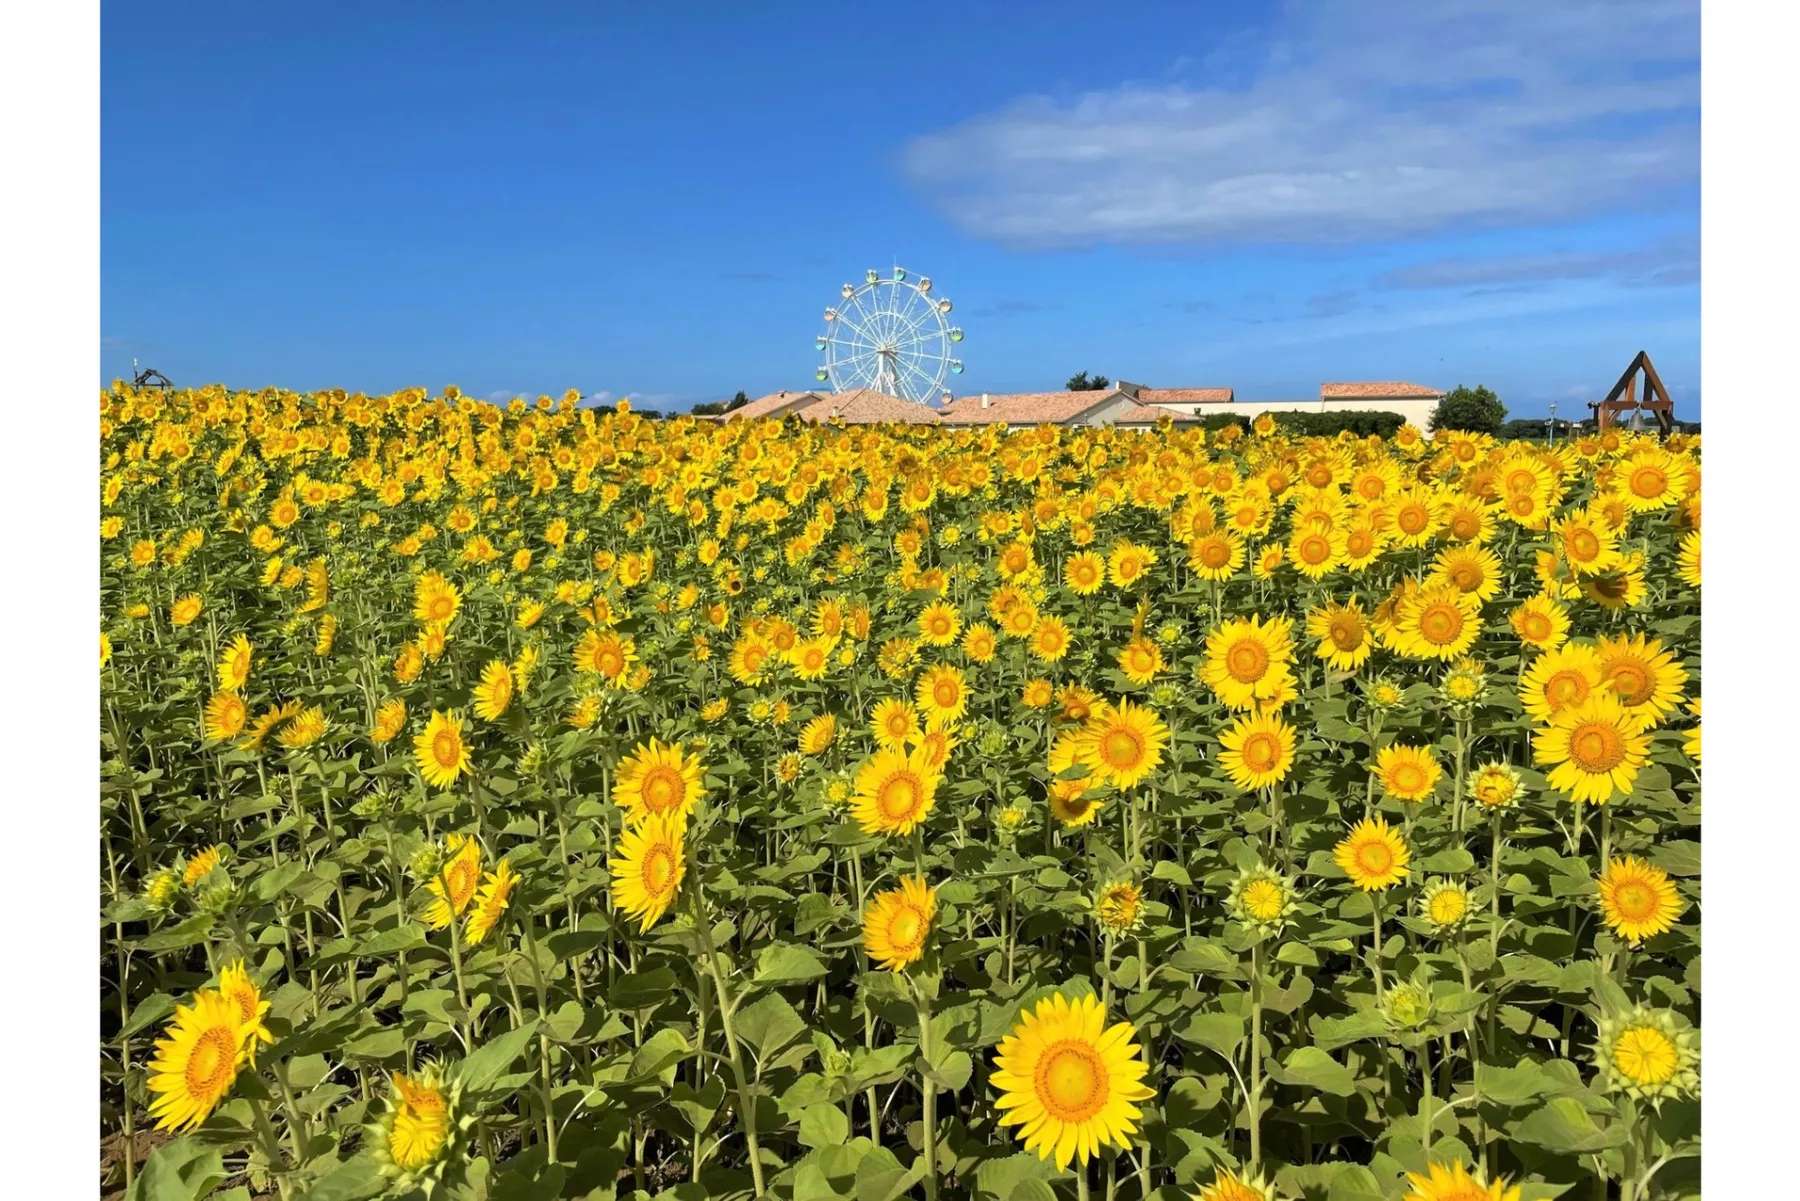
point(461, 875)
point(1263, 900)
point(662, 789)
point(1247, 661)
point(1376, 858)
point(1597, 746)
point(1215, 554)
point(1408, 777)
point(1649, 482)
point(607, 660)
point(1315, 548)
point(446, 748)
point(1466, 576)
point(1566, 688)
point(439, 609)
point(906, 930)
point(1447, 906)
point(1412, 519)
point(1645, 1056)
point(658, 870)
point(1071, 1080)
point(899, 796)
point(1536, 626)
point(1635, 900)
point(945, 693)
point(1261, 752)
point(1631, 682)
point(1441, 624)
point(1346, 632)
point(1463, 526)
point(1582, 545)
point(209, 1064)
point(1122, 749)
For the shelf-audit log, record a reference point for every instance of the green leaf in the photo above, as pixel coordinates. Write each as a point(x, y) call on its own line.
point(1222, 1032)
point(1450, 861)
point(951, 1069)
point(354, 1179)
point(273, 883)
point(784, 963)
point(183, 1170)
point(1563, 1125)
point(999, 1177)
point(390, 942)
point(1678, 857)
point(1515, 1085)
point(493, 1057)
point(879, 1177)
point(659, 1054)
point(377, 1044)
point(769, 1025)
point(823, 1125)
point(172, 938)
point(1331, 1033)
point(1313, 1068)
point(1355, 1183)
point(151, 1009)
point(643, 989)
point(1168, 869)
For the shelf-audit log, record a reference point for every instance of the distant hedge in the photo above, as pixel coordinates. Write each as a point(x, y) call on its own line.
point(1361, 422)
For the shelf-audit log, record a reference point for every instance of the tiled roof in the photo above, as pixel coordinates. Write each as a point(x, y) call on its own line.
point(1152, 396)
point(1026, 408)
point(772, 405)
point(1376, 390)
point(865, 406)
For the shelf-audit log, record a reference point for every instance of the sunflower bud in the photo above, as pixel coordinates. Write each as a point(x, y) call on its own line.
point(1408, 1005)
point(1650, 1054)
point(425, 862)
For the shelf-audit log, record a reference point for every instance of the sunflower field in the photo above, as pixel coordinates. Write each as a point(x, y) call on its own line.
point(531, 802)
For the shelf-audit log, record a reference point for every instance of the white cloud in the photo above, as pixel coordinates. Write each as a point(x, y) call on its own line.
point(1364, 121)
point(1668, 261)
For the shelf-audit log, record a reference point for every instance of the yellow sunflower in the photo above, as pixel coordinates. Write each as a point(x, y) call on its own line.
point(1637, 899)
point(818, 734)
point(897, 922)
point(440, 751)
point(1315, 552)
point(1119, 906)
point(197, 1060)
point(979, 642)
point(1373, 855)
point(1649, 1054)
point(234, 664)
point(647, 868)
point(390, 719)
point(939, 624)
point(1140, 659)
point(236, 986)
point(1122, 743)
point(1452, 1182)
point(1690, 740)
point(1437, 621)
point(1257, 751)
point(454, 883)
point(1559, 680)
point(225, 716)
point(1540, 622)
point(1593, 749)
point(436, 601)
point(1343, 634)
point(185, 610)
point(1070, 1082)
point(491, 900)
point(1216, 556)
point(1687, 562)
point(895, 791)
point(1472, 570)
point(1247, 661)
point(495, 692)
point(1229, 1186)
point(610, 656)
point(1049, 638)
point(1407, 773)
point(1586, 543)
point(1643, 675)
point(943, 693)
point(1496, 785)
point(1084, 573)
point(659, 778)
point(201, 865)
point(894, 723)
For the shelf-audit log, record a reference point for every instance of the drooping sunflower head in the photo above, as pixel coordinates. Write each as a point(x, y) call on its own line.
point(897, 923)
point(817, 735)
point(1637, 899)
point(1068, 1081)
point(1650, 1054)
point(1373, 855)
point(390, 719)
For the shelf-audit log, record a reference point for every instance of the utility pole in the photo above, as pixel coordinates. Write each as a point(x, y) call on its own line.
point(1553, 425)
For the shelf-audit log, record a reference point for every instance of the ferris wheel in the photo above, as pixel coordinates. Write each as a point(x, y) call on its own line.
point(889, 333)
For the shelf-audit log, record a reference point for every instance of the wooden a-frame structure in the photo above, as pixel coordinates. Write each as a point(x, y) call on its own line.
point(1624, 398)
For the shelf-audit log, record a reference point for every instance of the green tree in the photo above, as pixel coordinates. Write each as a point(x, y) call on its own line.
point(1477, 410)
point(713, 408)
point(1079, 382)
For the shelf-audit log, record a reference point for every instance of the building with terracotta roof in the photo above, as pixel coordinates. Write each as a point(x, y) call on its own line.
point(1124, 404)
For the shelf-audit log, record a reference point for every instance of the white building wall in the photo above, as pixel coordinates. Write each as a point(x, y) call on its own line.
point(1416, 410)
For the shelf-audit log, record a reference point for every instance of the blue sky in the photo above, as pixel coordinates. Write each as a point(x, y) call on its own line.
point(659, 200)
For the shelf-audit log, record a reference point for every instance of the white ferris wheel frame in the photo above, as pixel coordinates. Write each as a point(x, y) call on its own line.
point(890, 334)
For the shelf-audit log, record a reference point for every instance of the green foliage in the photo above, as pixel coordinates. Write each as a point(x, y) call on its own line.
point(1079, 382)
point(1477, 410)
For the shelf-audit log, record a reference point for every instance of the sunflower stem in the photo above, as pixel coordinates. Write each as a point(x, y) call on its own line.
point(271, 1149)
point(1254, 1093)
point(1375, 958)
point(746, 1104)
point(928, 1090)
